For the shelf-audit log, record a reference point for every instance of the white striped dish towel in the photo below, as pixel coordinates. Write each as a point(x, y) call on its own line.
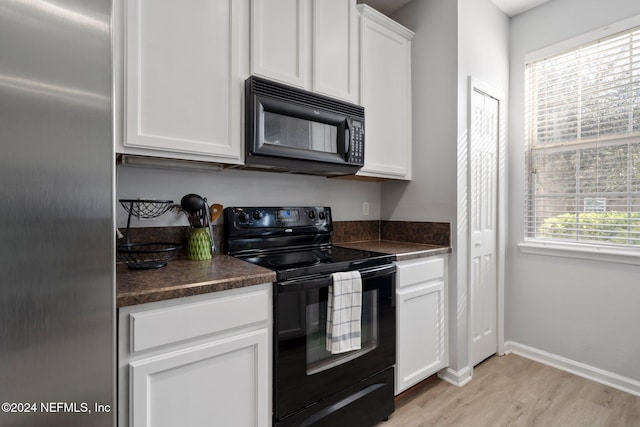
point(344, 312)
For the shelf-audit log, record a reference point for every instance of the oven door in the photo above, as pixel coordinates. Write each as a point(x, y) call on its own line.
point(304, 371)
point(289, 130)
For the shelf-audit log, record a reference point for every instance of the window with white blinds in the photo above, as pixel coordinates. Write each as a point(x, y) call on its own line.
point(583, 118)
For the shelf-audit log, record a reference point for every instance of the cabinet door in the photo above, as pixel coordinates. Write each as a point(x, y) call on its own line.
point(385, 78)
point(420, 333)
point(224, 382)
point(335, 47)
point(279, 40)
point(183, 80)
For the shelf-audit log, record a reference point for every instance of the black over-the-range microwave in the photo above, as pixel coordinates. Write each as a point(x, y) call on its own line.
point(293, 130)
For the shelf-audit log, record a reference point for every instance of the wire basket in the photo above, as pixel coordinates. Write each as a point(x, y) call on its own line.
point(145, 256)
point(146, 208)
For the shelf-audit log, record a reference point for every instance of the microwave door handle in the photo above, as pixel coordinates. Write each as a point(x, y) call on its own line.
point(347, 140)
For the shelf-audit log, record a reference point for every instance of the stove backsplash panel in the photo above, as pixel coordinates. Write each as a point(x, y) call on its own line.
point(355, 231)
point(430, 233)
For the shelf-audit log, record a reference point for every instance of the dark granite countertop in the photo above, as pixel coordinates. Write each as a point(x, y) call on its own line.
point(182, 277)
point(402, 250)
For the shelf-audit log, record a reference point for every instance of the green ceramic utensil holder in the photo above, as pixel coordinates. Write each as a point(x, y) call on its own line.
point(199, 246)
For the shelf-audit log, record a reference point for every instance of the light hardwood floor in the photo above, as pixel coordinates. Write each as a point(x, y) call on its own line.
point(514, 391)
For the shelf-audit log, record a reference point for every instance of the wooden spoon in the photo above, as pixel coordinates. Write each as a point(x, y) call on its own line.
point(216, 210)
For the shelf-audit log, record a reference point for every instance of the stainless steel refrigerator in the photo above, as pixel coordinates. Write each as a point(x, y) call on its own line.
point(57, 314)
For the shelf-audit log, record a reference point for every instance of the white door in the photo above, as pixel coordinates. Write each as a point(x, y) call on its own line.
point(483, 198)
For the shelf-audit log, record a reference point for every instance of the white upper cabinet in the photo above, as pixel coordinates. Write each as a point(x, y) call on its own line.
point(280, 35)
point(182, 79)
point(335, 49)
point(385, 81)
point(311, 44)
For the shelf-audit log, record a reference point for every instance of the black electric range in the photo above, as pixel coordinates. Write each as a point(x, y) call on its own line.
point(293, 242)
point(312, 385)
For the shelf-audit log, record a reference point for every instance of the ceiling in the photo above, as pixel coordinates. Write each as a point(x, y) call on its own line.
point(509, 7)
point(514, 7)
point(385, 6)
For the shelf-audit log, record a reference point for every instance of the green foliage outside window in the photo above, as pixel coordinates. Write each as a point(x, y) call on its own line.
point(605, 227)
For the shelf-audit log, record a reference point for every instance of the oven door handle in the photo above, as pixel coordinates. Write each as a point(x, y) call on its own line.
point(372, 273)
point(324, 280)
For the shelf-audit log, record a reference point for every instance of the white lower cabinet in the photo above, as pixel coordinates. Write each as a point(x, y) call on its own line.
point(421, 349)
point(197, 361)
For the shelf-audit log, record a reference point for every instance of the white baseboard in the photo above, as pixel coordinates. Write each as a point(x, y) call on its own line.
point(577, 368)
point(456, 378)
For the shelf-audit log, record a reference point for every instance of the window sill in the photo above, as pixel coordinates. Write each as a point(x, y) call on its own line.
point(581, 251)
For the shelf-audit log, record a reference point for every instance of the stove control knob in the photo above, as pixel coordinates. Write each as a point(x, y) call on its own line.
point(243, 217)
point(257, 215)
point(312, 214)
point(321, 215)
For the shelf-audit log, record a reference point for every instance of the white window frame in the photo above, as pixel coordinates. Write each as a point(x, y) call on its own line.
point(570, 249)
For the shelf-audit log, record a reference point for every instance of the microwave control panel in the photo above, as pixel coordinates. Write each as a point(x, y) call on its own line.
point(356, 151)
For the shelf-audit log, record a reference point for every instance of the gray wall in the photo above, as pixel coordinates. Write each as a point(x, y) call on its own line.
point(242, 188)
point(585, 311)
point(430, 196)
point(454, 40)
point(483, 54)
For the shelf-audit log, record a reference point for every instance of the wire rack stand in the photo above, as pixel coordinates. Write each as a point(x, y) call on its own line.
point(143, 256)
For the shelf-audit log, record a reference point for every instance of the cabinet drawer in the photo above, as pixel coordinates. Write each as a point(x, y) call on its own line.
point(418, 271)
point(166, 325)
